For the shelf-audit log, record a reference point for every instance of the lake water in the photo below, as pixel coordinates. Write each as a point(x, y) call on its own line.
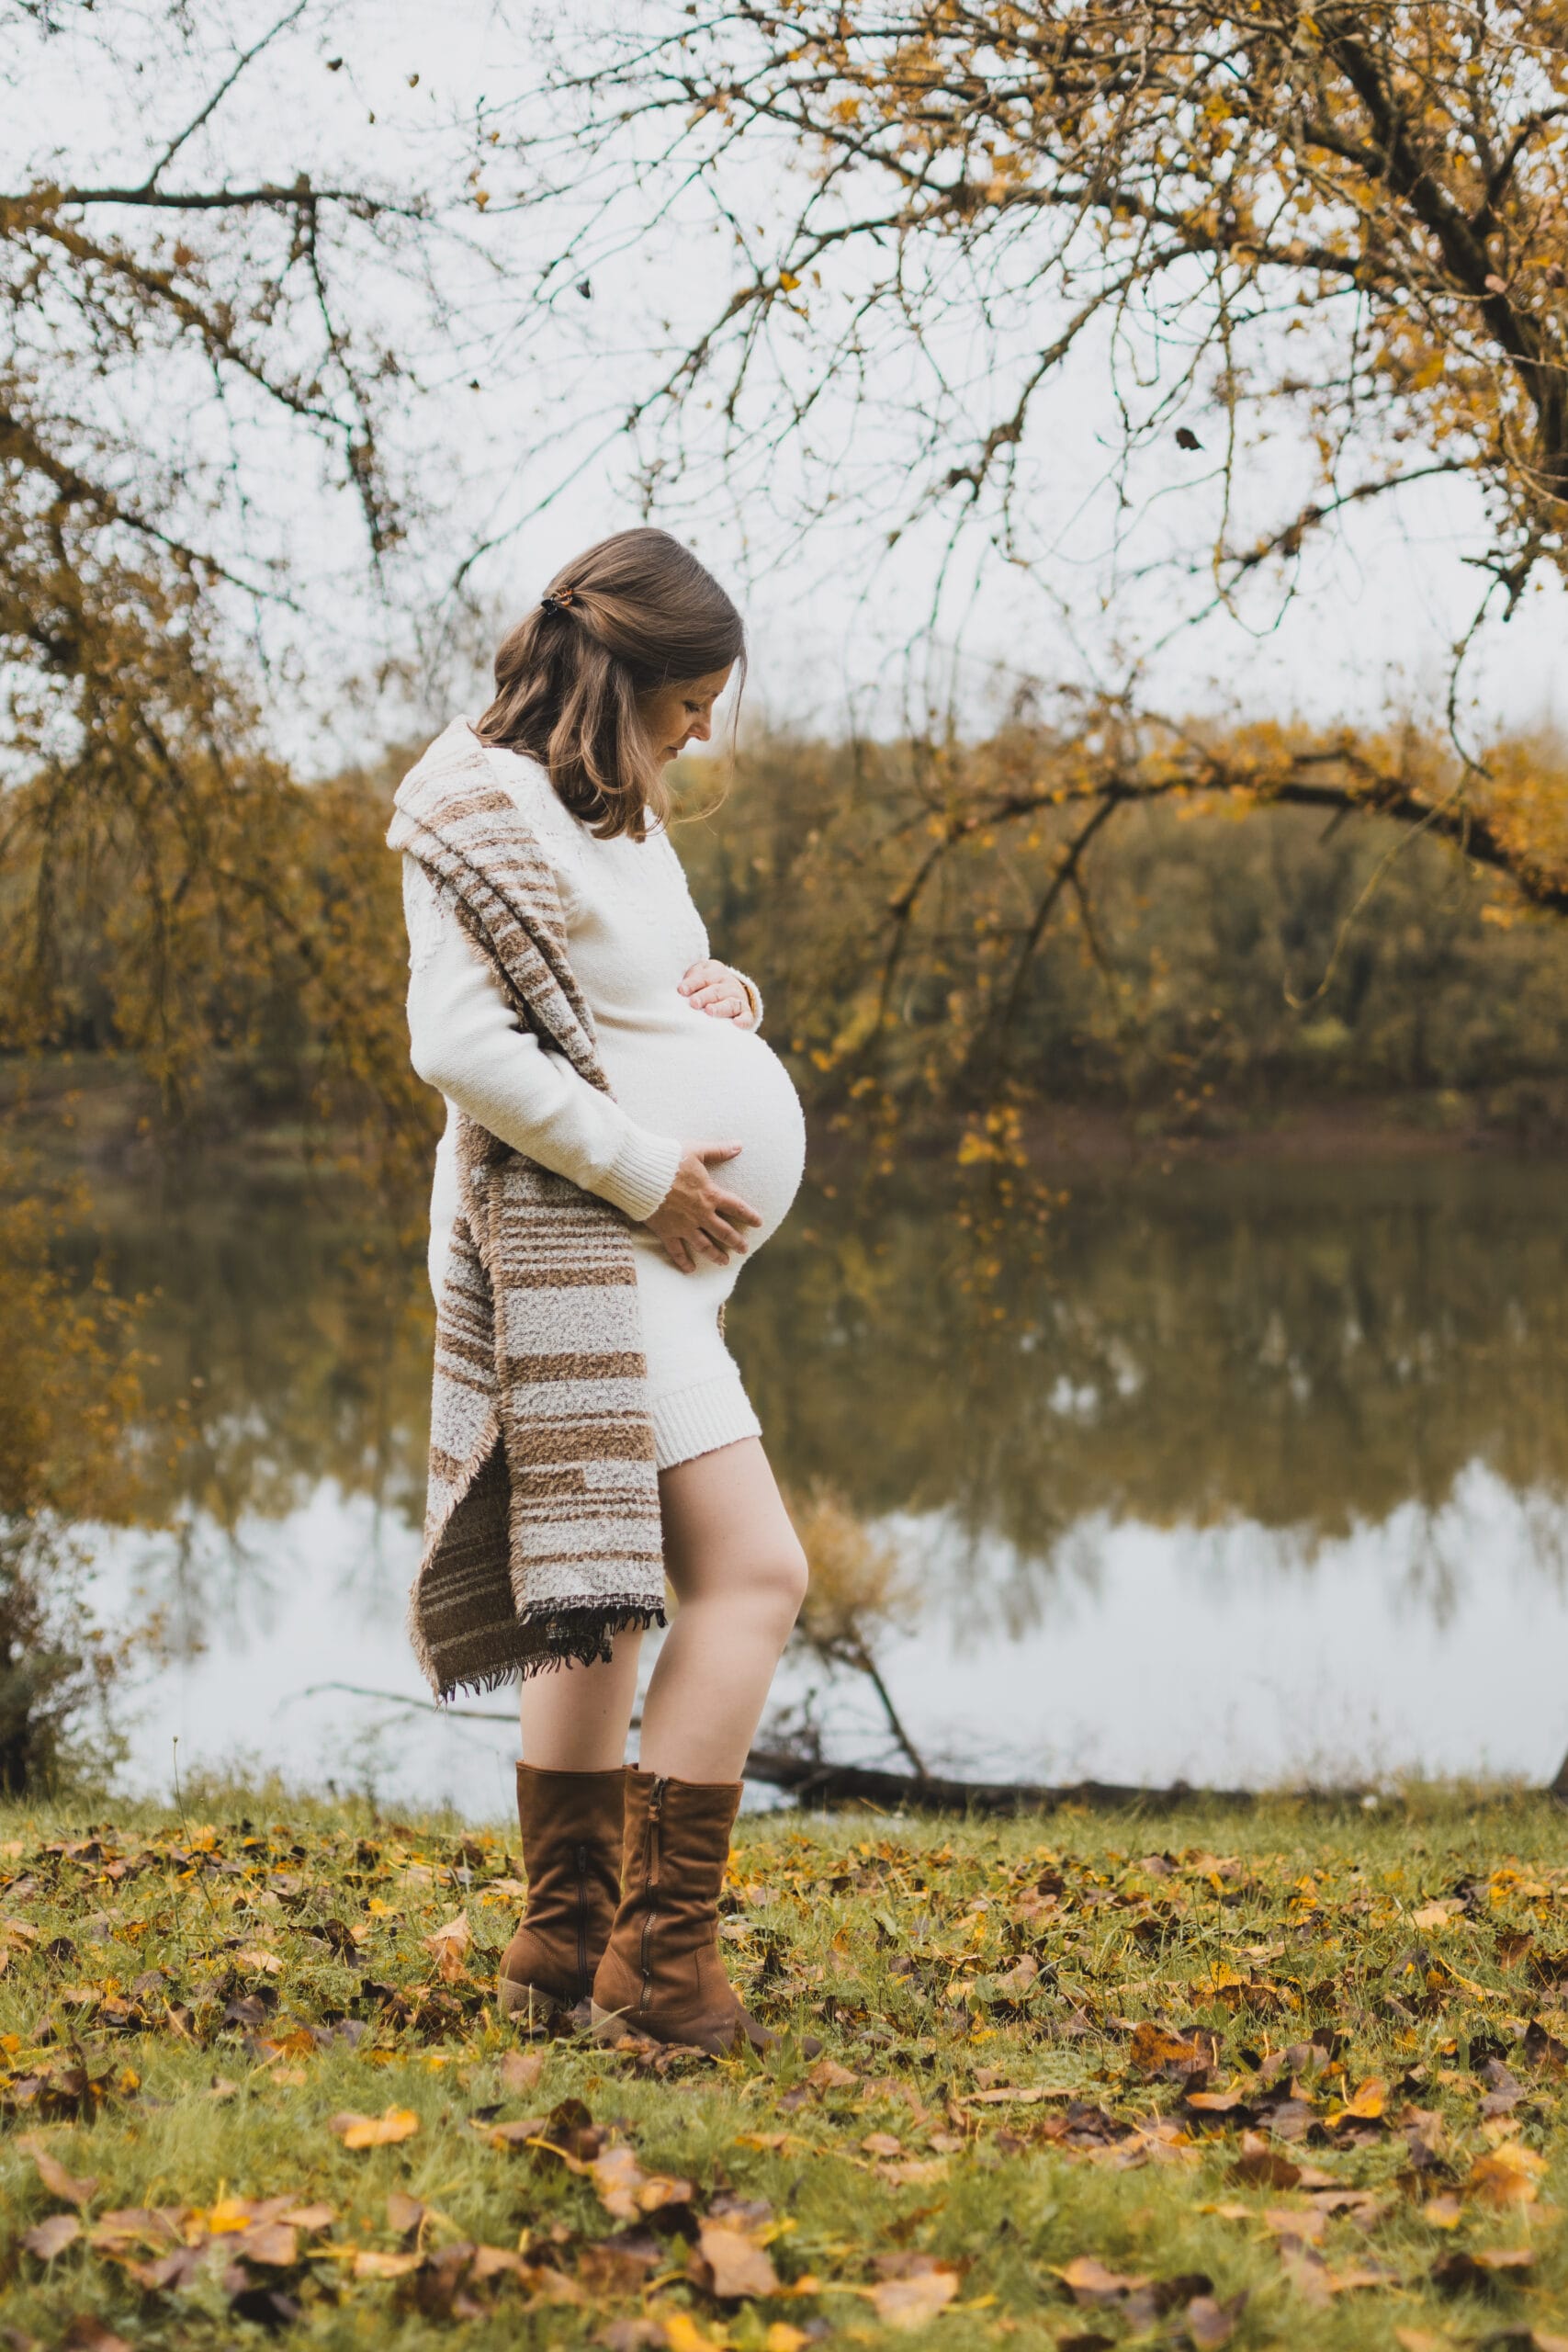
point(1249, 1473)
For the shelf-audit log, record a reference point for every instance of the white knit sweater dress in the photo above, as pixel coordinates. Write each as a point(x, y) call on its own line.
point(678, 1077)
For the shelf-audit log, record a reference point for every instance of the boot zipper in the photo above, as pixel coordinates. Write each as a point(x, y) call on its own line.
point(655, 1808)
point(583, 1979)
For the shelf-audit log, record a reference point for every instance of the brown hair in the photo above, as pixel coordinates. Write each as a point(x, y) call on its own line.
point(635, 612)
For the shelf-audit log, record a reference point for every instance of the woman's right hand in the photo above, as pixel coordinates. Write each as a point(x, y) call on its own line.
point(697, 1218)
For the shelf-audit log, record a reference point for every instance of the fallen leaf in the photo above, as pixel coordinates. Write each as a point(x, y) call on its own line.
point(1445, 2213)
point(782, 2337)
point(448, 1943)
point(367, 2264)
point(310, 2217)
point(267, 1961)
point(1210, 2325)
point(915, 2292)
point(1506, 2175)
point(828, 2076)
point(882, 2143)
point(86, 2334)
point(374, 2131)
point(1437, 1915)
point(404, 2213)
point(736, 2265)
point(1366, 2105)
point(520, 2072)
point(681, 2333)
point(1018, 1980)
point(1461, 2270)
point(627, 2192)
point(54, 2175)
point(47, 2239)
point(1419, 2339)
point(1088, 2281)
point(1305, 2225)
point(1153, 2046)
point(272, 2244)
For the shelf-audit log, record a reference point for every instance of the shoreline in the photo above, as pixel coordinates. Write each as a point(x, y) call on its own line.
point(102, 1116)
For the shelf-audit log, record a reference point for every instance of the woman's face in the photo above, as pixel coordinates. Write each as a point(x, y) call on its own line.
point(677, 715)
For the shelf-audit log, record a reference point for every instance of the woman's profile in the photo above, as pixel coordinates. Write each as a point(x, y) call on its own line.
point(618, 1139)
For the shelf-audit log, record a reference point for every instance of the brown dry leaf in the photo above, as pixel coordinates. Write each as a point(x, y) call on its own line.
point(315, 2216)
point(1420, 2339)
point(1210, 2325)
point(47, 2239)
point(1366, 2105)
point(1260, 2165)
point(54, 2175)
point(404, 2213)
point(1088, 2281)
point(267, 1961)
point(449, 1943)
point(272, 2244)
point(520, 2072)
point(909, 2169)
point(828, 2076)
point(86, 2334)
point(1506, 2175)
point(1154, 2046)
point(1439, 1913)
point(921, 2289)
point(882, 2143)
point(736, 2265)
point(374, 2131)
point(627, 2192)
point(1018, 1980)
point(367, 2264)
point(496, 2261)
point(1305, 2225)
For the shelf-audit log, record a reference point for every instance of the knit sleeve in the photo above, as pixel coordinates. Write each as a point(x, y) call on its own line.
point(464, 1039)
point(753, 997)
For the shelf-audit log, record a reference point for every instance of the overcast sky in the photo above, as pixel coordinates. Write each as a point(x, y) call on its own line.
point(533, 458)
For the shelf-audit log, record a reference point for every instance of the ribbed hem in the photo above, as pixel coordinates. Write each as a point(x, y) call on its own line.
point(641, 1173)
point(695, 1420)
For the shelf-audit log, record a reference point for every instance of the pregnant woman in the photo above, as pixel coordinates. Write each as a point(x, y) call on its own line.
point(619, 1139)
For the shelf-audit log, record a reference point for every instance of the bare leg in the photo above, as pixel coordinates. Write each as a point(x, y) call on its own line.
point(739, 1578)
point(576, 1720)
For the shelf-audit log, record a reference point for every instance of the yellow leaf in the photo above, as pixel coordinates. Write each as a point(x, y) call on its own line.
point(788, 280)
point(374, 2131)
point(1506, 2176)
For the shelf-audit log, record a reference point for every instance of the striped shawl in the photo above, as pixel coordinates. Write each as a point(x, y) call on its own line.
point(542, 1532)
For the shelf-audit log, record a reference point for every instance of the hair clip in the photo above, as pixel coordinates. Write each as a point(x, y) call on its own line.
point(555, 600)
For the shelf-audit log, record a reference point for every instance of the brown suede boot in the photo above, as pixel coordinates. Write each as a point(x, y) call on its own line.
point(571, 1853)
point(661, 1974)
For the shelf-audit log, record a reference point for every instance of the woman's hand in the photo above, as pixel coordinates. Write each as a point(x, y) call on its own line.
point(715, 988)
point(697, 1218)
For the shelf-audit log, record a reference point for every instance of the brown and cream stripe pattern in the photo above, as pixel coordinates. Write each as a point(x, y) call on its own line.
point(542, 1531)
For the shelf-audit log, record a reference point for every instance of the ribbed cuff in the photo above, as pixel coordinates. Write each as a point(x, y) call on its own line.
point(641, 1173)
point(754, 993)
point(695, 1420)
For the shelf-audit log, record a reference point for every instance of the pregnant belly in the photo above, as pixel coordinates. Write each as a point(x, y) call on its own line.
point(705, 1081)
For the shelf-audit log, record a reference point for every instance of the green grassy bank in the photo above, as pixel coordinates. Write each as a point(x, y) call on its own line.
point(1267, 2079)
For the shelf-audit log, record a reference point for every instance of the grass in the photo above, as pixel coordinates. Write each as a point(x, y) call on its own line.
point(1272, 2077)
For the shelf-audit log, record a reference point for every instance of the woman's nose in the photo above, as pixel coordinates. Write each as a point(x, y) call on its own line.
point(701, 728)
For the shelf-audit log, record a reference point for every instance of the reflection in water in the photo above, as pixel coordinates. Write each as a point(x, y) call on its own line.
point(1320, 1402)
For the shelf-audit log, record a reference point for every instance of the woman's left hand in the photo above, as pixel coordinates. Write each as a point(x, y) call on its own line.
point(714, 988)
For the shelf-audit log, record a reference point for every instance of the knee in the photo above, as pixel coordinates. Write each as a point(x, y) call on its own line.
point(779, 1580)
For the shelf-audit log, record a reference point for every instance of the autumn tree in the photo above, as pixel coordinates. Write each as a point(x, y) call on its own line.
point(196, 356)
point(1341, 226)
